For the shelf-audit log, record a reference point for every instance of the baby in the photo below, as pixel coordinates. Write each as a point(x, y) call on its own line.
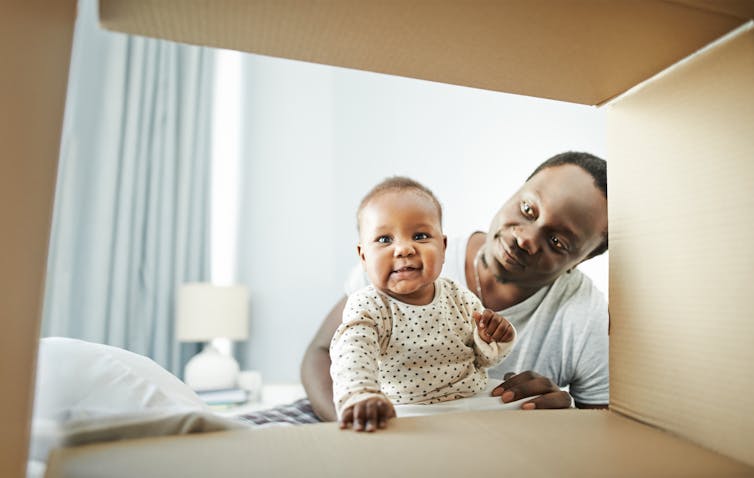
point(410, 337)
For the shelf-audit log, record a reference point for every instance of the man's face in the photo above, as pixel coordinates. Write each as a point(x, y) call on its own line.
point(549, 226)
point(401, 245)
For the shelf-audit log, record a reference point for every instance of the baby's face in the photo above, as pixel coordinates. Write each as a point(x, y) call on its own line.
point(401, 245)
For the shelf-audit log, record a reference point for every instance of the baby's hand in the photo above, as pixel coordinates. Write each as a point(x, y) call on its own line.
point(493, 327)
point(368, 415)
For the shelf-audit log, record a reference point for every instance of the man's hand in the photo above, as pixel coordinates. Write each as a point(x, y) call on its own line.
point(367, 415)
point(493, 327)
point(529, 384)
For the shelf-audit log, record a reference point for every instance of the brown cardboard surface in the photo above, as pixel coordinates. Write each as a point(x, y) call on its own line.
point(681, 172)
point(560, 443)
point(583, 51)
point(35, 43)
point(743, 9)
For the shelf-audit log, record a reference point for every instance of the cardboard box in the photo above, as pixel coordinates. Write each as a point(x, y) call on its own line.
point(35, 47)
point(681, 141)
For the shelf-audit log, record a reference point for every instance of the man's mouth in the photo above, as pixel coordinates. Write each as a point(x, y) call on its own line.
point(511, 259)
point(506, 254)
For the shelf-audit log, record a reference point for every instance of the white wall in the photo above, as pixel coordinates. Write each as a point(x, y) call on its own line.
point(316, 138)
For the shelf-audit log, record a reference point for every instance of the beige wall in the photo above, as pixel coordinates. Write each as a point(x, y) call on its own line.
point(681, 255)
point(35, 43)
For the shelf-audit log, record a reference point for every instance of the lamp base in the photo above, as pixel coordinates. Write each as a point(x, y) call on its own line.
point(211, 370)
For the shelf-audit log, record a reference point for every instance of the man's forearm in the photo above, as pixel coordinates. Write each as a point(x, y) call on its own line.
point(317, 382)
point(315, 368)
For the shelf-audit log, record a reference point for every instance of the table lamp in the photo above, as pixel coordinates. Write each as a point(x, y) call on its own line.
point(205, 312)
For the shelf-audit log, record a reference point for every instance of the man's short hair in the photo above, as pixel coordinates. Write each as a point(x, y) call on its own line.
point(397, 183)
point(595, 166)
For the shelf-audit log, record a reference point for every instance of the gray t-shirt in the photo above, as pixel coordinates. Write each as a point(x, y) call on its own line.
point(562, 329)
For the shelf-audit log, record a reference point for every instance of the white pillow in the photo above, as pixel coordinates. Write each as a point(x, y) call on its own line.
point(78, 380)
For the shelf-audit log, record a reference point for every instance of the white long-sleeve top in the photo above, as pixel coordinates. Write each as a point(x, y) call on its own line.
point(408, 353)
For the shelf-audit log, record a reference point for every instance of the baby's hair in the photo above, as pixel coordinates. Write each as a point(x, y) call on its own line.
point(397, 183)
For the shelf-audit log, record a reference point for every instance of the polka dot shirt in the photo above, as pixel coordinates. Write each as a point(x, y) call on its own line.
point(408, 353)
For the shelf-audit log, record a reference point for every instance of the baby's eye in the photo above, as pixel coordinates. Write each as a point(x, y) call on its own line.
point(421, 236)
point(384, 240)
point(526, 209)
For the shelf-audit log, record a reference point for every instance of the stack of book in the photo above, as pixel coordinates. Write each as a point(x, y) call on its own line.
point(224, 397)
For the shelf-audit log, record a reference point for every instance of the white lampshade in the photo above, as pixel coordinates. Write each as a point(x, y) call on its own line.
point(205, 312)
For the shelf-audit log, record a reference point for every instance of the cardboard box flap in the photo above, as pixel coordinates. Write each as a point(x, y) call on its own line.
point(585, 51)
point(563, 443)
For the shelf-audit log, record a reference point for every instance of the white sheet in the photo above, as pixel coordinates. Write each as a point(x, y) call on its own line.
point(482, 401)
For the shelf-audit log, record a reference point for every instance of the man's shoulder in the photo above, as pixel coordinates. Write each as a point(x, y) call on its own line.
point(576, 284)
point(574, 293)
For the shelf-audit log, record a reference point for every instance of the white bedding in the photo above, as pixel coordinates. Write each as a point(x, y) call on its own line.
point(87, 392)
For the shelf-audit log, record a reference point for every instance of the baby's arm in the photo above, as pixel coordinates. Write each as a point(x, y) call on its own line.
point(354, 351)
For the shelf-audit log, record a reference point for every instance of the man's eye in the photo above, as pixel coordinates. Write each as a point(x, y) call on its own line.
point(557, 243)
point(421, 236)
point(384, 240)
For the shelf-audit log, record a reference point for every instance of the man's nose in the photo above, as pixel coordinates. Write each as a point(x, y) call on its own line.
point(526, 239)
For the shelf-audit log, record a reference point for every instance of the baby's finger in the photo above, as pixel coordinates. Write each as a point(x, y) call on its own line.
point(372, 415)
point(381, 415)
point(503, 328)
point(358, 417)
point(488, 321)
point(347, 418)
point(484, 335)
point(477, 319)
point(510, 333)
point(386, 411)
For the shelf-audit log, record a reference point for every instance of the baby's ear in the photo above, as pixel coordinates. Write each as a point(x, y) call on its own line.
point(444, 242)
point(360, 252)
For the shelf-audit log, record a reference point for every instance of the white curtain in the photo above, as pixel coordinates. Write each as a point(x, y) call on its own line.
point(131, 209)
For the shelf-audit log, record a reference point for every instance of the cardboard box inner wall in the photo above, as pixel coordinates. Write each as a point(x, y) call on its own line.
point(681, 212)
point(35, 45)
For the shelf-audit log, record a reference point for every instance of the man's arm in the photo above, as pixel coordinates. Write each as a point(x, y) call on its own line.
point(315, 367)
